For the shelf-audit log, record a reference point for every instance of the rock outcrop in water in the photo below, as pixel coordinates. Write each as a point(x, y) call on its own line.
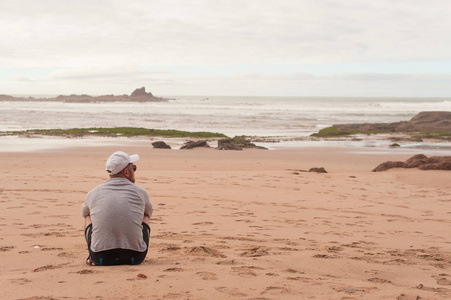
point(419, 161)
point(138, 95)
point(430, 121)
point(141, 93)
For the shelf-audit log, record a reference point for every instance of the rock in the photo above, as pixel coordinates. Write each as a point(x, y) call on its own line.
point(443, 165)
point(161, 145)
point(421, 161)
point(318, 170)
point(415, 161)
point(389, 165)
point(432, 166)
point(141, 93)
point(237, 143)
point(432, 121)
point(228, 144)
point(437, 159)
point(195, 144)
point(138, 95)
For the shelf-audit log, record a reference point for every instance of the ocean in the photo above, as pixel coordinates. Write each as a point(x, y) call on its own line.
point(287, 119)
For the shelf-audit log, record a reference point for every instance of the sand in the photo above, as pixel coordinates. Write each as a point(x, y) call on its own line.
point(232, 225)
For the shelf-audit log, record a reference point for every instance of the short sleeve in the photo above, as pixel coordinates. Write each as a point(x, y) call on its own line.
point(85, 210)
point(148, 210)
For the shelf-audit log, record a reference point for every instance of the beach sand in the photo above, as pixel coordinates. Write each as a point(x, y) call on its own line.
point(232, 225)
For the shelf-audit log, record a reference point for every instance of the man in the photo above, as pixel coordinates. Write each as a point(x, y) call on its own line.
point(116, 215)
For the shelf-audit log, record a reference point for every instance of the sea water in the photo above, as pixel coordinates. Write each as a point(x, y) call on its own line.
point(287, 118)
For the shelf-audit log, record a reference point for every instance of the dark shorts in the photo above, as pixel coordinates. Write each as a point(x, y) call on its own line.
point(117, 256)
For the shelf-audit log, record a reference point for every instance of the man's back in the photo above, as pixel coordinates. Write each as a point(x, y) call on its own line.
point(117, 208)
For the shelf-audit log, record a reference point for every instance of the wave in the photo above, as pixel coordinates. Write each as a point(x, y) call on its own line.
point(235, 115)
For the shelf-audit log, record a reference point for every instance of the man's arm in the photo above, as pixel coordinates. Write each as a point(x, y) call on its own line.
point(88, 221)
point(146, 219)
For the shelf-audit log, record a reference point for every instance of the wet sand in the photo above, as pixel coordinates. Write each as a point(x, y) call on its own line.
point(232, 225)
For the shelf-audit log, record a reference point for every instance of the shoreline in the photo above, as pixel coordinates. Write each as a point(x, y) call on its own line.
point(14, 143)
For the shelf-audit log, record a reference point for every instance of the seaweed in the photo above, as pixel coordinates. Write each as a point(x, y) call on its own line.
point(114, 132)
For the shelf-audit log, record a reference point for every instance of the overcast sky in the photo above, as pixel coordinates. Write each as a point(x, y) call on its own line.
point(208, 47)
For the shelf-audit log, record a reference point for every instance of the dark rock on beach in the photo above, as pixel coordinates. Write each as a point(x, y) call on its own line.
point(195, 144)
point(419, 161)
point(416, 161)
point(312, 170)
point(236, 143)
point(318, 170)
point(389, 165)
point(161, 145)
point(228, 144)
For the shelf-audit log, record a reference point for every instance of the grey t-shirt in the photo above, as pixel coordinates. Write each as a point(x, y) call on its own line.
point(117, 208)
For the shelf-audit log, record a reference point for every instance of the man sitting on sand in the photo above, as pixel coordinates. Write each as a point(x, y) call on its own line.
point(116, 216)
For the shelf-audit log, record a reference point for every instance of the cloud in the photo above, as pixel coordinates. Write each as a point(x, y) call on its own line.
point(106, 75)
point(21, 79)
point(102, 33)
point(116, 45)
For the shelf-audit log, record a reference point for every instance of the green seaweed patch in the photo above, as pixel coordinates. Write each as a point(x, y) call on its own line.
point(332, 132)
point(435, 135)
point(395, 145)
point(116, 132)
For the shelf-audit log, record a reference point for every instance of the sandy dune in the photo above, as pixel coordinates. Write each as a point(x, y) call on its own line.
point(232, 225)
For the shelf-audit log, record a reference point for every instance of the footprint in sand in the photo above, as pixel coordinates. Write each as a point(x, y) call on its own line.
point(226, 262)
point(245, 271)
point(379, 280)
point(275, 290)
point(170, 248)
point(6, 248)
point(67, 255)
point(174, 270)
point(325, 256)
point(20, 281)
point(207, 275)
point(292, 271)
point(234, 292)
point(85, 272)
point(49, 267)
point(203, 223)
point(255, 252)
point(442, 279)
point(205, 251)
point(408, 297)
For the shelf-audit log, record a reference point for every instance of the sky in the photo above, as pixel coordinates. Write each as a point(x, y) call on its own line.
point(352, 48)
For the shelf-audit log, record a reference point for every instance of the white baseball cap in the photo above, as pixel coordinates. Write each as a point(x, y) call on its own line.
point(118, 161)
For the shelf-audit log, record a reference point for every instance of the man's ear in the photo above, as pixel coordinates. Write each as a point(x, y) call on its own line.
point(126, 172)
